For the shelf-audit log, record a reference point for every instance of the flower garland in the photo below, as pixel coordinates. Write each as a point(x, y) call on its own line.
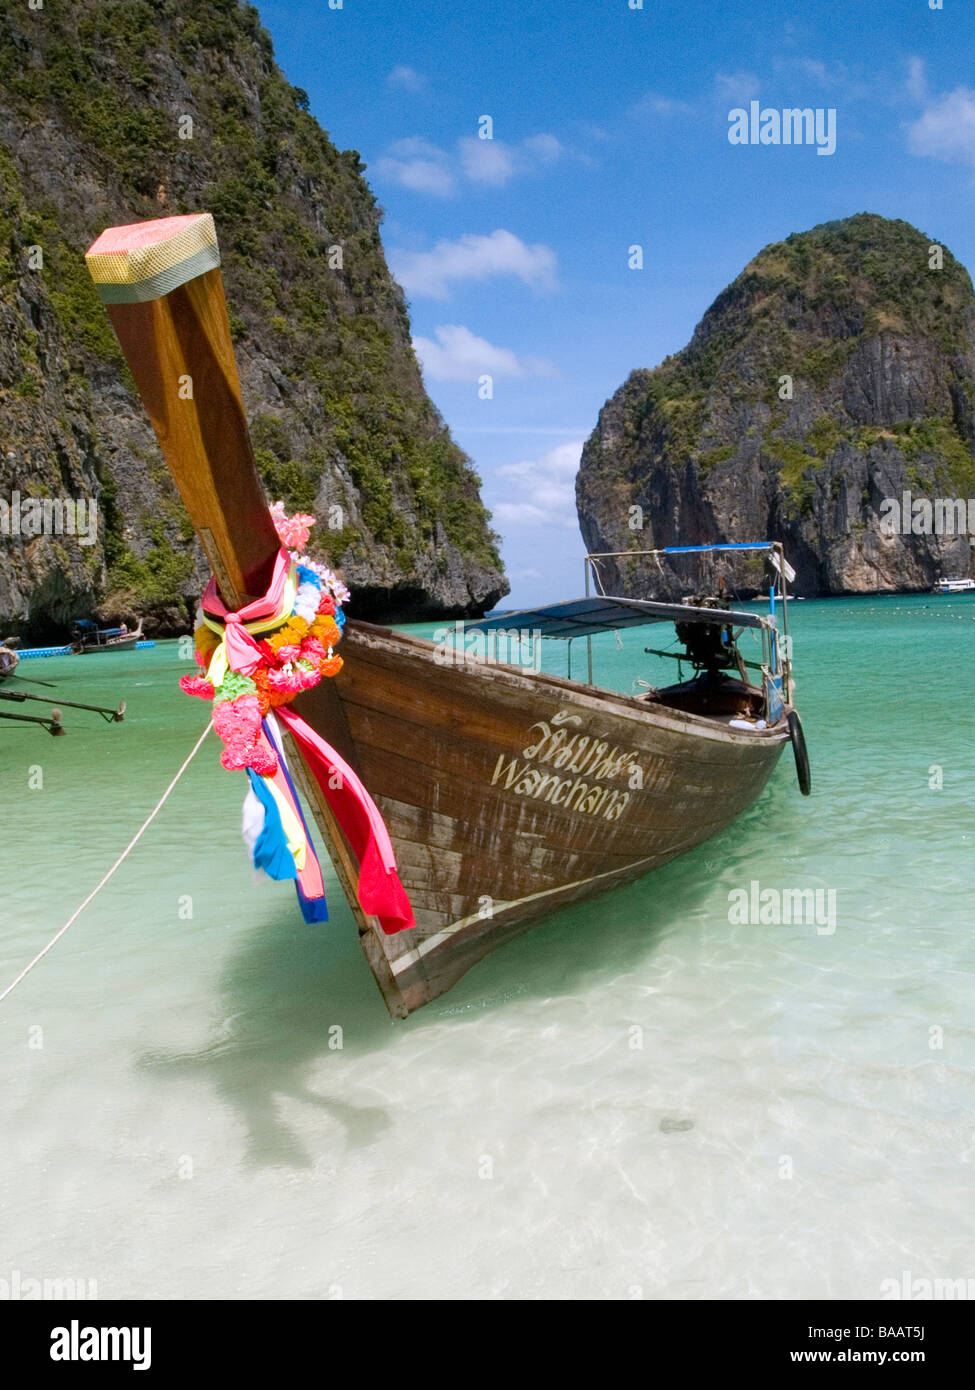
point(294, 658)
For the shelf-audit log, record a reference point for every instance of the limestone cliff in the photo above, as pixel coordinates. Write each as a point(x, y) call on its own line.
point(111, 113)
point(837, 371)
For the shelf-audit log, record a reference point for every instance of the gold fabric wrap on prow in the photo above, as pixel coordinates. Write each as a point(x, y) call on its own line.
point(133, 275)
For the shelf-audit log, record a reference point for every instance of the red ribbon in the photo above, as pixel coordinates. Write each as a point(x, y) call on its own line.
point(380, 892)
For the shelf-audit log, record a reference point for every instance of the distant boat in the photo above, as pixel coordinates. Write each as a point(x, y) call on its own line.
point(955, 586)
point(87, 637)
point(8, 657)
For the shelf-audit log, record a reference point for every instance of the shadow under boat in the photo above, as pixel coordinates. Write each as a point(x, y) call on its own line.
point(283, 988)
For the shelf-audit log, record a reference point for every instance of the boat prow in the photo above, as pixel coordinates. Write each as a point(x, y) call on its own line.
point(509, 794)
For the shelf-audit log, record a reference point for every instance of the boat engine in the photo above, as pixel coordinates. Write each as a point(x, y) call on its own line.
point(709, 646)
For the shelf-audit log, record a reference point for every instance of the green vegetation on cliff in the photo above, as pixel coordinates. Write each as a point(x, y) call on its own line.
point(835, 370)
point(801, 308)
point(130, 110)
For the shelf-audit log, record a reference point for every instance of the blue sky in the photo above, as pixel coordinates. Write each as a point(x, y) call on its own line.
point(610, 129)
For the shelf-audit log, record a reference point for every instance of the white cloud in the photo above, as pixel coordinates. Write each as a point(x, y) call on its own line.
point(460, 355)
point(736, 86)
point(487, 161)
point(546, 148)
point(656, 104)
point(474, 257)
point(813, 68)
point(541, 491)
point(407, 79)
point(839, 80)
point(946, 128)
point(595, 133)
point(917, 83)
point(494, 162)
point(418, 165)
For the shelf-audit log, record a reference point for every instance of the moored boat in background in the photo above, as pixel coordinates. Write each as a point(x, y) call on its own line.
point(9, 657)
point(87, 637)
point(954, 586)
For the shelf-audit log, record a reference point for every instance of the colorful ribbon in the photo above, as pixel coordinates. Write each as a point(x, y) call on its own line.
point(288, 836)
point(282, 844)
point(379, 890)
point(237, 650)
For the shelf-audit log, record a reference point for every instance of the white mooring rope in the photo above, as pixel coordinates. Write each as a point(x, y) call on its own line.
point(119, 861)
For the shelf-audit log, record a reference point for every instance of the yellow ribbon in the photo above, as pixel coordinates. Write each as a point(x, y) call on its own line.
point(294, 831)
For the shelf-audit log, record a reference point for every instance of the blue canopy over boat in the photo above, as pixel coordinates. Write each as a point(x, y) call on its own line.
point(85, 625)
point(584, 617)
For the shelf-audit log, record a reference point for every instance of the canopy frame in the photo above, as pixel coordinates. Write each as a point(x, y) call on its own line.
point(780, 655)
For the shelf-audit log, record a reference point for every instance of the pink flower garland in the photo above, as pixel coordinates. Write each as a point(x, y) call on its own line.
point(240, 702)
point(293, 530)
point(238, 722)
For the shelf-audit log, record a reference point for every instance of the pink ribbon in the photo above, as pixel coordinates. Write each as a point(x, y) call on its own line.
point(243, 653)
point(261, 607)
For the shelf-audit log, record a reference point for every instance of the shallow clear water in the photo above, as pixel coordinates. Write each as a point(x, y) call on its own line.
point(637, 1098)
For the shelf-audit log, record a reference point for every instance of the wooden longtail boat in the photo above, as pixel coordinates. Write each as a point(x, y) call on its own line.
point(87, 638)
point(9, 658)
point(506, 792)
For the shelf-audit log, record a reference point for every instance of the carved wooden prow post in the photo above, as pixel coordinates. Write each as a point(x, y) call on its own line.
point(162, 286)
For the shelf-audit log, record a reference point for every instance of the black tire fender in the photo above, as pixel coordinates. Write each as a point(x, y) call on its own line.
point(799, 749)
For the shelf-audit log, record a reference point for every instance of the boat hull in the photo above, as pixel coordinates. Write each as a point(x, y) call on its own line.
point(508, 794)
point(127, 644)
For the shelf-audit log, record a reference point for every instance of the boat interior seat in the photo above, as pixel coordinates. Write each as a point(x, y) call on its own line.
point(723, 699)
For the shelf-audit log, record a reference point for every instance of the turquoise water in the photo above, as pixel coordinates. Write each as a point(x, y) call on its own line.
point(639, 1098)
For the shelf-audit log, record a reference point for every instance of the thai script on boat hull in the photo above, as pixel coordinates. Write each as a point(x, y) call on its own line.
point(569, 768)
